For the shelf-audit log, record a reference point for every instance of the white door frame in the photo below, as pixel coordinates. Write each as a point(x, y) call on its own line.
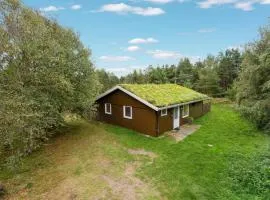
point(176, 117)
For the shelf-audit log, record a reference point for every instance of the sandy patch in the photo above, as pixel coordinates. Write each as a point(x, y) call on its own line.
point(130, 187)
point(67, 189)
point(150, 154)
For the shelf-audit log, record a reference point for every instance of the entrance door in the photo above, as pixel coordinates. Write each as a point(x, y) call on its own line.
point(176, 117)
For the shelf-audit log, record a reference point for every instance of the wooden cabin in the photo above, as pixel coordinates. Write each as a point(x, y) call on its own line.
point(151, 109)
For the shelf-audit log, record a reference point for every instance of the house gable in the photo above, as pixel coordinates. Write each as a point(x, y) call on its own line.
point(130, 94)
point(143, 117)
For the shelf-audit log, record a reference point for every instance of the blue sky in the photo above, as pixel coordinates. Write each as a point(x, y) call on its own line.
point(132, 34)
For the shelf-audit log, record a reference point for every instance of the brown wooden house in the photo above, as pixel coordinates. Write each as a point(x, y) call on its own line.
point(150, 108)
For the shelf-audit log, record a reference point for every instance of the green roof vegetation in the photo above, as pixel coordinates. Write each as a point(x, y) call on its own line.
point(164, 94)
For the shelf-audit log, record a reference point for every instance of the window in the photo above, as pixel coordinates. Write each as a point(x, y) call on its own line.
point(163, 112)
point(185, 111)
point(127, 111)
point(108, 108)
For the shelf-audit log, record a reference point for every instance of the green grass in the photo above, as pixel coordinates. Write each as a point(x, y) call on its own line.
point(193, 170)
point(190, 169)
point(164, 94)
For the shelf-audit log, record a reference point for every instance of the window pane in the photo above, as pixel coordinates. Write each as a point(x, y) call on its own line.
point(186, 110)
point(108, 108)
point(164, 112)
point(128, 111)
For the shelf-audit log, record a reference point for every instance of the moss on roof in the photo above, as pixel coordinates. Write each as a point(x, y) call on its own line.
point(164, 94)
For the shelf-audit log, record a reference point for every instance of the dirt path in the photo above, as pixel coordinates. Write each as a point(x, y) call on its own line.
point(129, 186)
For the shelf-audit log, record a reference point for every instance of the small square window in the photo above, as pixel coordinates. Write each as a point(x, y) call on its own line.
point(127, 111)
point(108, 108)
point(163, 112)
point(185, 111)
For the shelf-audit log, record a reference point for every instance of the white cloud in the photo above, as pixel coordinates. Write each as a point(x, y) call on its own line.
point(160, 1)
point(122, 71)
point(203, 30)
point(207, 30)
point(51, 9)
point(122, 8)
point(245, 5)
point(118, 69)
point(76, 7)
point(265, 2)
point(163, 1)
point(133, 48)
point(172, 55)
point(142, 41)
point(183, 1)
point(210, 3)
point(116, 58)
point(160, 54)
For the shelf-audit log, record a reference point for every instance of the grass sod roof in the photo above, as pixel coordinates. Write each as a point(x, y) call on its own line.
point(161, 95)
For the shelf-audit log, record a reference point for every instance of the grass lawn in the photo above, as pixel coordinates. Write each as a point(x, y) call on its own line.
point(98, 161)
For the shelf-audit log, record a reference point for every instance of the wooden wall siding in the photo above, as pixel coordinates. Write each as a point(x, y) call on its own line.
point(196, 109)
point(143, 119)
point(165, 122)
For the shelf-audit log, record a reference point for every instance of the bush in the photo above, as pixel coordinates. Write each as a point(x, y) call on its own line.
point(252, 175)
point(258, 113)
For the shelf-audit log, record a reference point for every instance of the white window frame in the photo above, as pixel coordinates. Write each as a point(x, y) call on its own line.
point(106, 111)
point(187, 114)
point(124, 112)
point(164, 114)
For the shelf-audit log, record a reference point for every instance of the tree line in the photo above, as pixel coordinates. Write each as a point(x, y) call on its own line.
point(213, 76)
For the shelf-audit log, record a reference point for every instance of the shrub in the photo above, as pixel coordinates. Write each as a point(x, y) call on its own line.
point(252, 175)
point(258, 113)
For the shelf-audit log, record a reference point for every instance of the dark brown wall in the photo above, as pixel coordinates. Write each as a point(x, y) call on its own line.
point(196, 109)
point(144, 118)
point(165, 122)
